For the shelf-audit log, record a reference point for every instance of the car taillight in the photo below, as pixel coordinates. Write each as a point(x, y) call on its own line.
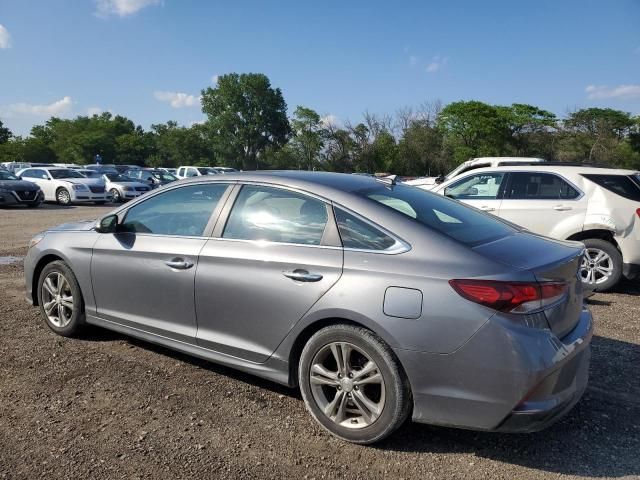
point(638, 211)
point(512, 297)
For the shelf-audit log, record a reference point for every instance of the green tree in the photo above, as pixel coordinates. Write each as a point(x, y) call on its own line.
point(245, 116)
point(5, 133)
point(308, 136)
point(175, 145)
point(529, 128)
point(473, 129)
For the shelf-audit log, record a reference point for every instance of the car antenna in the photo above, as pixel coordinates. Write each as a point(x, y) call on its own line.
point(390, 180)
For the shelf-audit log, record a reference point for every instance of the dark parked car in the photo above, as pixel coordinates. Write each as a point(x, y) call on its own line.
point(379, 301)
point(14, 191)
point(154, 177)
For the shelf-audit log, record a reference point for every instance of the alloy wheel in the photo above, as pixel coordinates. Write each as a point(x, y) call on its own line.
point(597, 266)
point(347, 385)
point(57, 299)
point(115, 196)
point(63, 197)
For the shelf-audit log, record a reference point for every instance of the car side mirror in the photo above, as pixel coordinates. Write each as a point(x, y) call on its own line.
point(108, 224)
point(439, 179)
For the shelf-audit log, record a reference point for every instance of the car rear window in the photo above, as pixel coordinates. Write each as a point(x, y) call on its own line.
point(449, 217)
point(623, 185)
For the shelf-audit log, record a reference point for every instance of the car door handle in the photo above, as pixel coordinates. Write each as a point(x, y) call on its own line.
point(302, 275)
point(487, 208)
point(179, 264)
point(561, 208)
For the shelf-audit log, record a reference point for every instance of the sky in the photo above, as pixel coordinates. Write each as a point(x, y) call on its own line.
point(150, 59)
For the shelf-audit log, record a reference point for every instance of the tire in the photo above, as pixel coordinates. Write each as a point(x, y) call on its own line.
point(115, 195)
point(391, 396)
point(72, 313)
point(601, 257)
point(63, 197)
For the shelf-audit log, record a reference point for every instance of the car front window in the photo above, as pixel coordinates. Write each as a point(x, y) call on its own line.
point(4, 175)
point(183, 211)
point(481, 186)
point(66, 173)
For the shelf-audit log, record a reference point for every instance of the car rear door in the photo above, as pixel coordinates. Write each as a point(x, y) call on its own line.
point(544, 203)
point(143, 275)
point(482, 190)
point(267, 265)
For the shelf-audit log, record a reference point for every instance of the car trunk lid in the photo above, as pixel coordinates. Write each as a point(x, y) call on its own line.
point(550, 261)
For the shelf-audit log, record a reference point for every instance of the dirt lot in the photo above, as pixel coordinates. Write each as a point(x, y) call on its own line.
point(105, 406)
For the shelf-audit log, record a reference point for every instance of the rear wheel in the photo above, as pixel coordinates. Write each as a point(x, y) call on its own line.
point(602, 264)
point(353, 385)
point(63, 196)
point(60, 299)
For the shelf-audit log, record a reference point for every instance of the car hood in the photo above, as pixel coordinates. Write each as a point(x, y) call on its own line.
point(83, 226)
point(18, 185)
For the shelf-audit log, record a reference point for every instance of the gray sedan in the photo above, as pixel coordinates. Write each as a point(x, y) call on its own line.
point(379, 301)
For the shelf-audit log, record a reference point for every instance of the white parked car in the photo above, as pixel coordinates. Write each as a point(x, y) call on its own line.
point(66, 186)
point(429, 183)
point(119, 187)
point(597, 206)
point(186, 171)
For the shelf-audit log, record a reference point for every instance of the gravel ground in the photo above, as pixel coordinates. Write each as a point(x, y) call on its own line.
point(105, 406)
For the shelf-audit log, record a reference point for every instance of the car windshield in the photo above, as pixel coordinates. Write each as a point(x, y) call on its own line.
point(164, 176)
point(206, 171)
point(90, 173)
point(5, 175)
point(116, 177)
point(439, 213)
point(65, 173)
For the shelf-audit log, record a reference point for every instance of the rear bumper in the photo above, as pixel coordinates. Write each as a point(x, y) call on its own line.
point(508, 379)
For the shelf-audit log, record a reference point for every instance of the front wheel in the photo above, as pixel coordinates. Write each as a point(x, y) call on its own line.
point(353, 385)
point(601, 265)
point(115, 195)
point(63, 196)
point(60, 299)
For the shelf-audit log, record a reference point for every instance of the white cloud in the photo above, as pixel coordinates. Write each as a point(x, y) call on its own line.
point(437, 63)
point(122, 8)
point(598, 92)
point(177, 99)
point(57, 108)
point(214, 79)
point(5, 37)
point(91, 111)
point(413, 60)
point(330, 120)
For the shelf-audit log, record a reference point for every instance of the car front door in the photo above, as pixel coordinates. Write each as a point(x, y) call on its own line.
point(482, 190)
point(264, 269)
point(143, 275)
point(41, 178)
point(544, 203)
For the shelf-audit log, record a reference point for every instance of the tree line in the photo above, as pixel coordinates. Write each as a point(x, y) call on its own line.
point(247, 127)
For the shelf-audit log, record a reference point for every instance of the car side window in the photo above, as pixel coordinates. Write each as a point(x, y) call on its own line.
point(539, 186)
point(191, 172)
point(28, 174)
point(181, 211)
point(276, 215)
point(481, 186)
point(358, 234)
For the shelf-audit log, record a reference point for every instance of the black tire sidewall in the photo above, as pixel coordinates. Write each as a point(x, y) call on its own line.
point(77, 319)
point(616, 259)
point(397, 395)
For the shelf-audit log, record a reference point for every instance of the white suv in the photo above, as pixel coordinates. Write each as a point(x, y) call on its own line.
point(597, 206)
point(186, 172)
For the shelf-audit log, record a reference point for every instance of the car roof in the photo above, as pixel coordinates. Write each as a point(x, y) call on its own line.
point(542, 167)
point(322, 183)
